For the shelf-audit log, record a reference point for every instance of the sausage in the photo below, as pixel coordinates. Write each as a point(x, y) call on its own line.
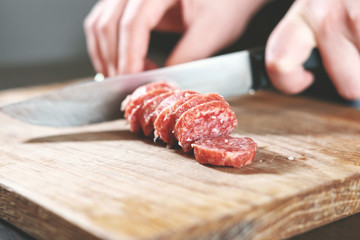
point(199, 121)
point(163, 114)
point(166, 122)
point(197, 100)
point(147, 111)
point(225, 151)
point(142, 90)
point(207, 120)
point(132, 111)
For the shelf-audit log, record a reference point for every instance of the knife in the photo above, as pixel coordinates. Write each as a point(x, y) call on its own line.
point(94, 102)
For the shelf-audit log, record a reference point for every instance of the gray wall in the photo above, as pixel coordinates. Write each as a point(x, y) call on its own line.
point(42, 41)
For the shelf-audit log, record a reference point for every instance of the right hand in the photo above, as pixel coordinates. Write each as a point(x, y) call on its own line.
point(118, 31)
point(333, 26)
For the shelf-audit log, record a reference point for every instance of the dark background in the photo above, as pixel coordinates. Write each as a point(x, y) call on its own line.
point(43, 42)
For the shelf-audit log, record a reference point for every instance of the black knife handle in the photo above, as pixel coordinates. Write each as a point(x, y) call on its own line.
point(322, 87)
point(260, 77)
point(258, 69)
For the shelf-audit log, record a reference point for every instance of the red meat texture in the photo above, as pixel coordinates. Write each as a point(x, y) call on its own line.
point(144, 89)
point(165, 125)
point(196, 101)
point(163, 113)
point(199, 122)
point(132, 111)
point(211, 119)
point(225, 151)
point(147, 112)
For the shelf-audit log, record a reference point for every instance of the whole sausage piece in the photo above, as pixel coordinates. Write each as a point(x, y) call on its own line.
point(225, 151)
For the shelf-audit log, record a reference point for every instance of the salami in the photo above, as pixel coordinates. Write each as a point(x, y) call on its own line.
point(162, 126)
point(199, 121)
point(197, 100)
point(142, 90)
point(132, 111)
point(225, 151)
point(147, 111)
point(207, 120)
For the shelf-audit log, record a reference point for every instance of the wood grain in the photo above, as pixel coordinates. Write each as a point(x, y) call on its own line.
point(103, 182)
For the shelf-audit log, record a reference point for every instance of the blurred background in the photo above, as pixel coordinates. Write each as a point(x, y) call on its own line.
point(42, 41)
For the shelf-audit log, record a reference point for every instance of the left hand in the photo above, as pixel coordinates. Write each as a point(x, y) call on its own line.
point(118, 31)
point(333, 26)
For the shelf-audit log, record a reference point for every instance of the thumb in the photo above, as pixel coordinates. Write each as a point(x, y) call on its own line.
point(288, 47)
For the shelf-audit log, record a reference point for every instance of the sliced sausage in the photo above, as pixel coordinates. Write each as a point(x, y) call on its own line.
point(162, 123)
point(225, 151)
point(142, 90)
point(195, 101)
point(147, 111)
point(207, 120)
point(132, 111)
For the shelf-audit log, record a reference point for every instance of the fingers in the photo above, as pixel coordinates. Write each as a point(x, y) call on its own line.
point(101, 30)
point(149, 65)
point(340, 51)
point(92, 41)
point(107, 32)
point(198, 42)
point(118, 31)
point(353, 9)
point(193, 46)
point(211, 26)
point(139, 18)
point(172, 20)
point(342, 62)
point(337, 33)
point(288, 47)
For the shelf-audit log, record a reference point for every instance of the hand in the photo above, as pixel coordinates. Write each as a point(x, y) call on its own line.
point(118, 31)
point(333, 26)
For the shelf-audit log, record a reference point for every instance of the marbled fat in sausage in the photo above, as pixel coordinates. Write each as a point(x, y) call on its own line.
point(147, 111)
point(132, 111)
point(200, 121)
point(195, 101)
point(207, 120)
point(162, 123)
point(225, 151)
point(142, 90)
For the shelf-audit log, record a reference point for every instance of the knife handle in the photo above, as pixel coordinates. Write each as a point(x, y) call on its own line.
point(322, 87)
point(260, 77)
point(258, 69)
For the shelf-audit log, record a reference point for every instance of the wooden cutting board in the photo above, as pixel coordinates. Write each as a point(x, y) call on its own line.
point(103, 182)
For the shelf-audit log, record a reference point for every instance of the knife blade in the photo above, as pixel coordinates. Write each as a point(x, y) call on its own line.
point(94, 102)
